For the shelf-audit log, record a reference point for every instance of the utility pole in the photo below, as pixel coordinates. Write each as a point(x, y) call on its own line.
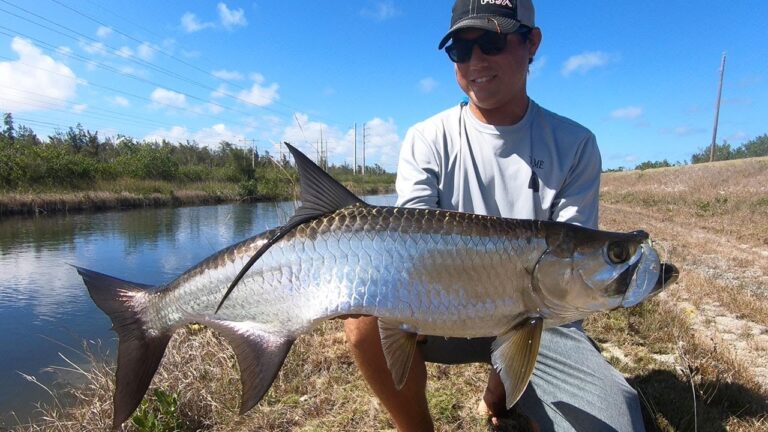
point(253, 150)
point(354, 165)
point(364, 124)
point(322, 152)
point(717, 110)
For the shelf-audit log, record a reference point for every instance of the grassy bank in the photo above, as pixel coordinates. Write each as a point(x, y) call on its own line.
point(116, 195)
point(696, 353)
point(133, 193)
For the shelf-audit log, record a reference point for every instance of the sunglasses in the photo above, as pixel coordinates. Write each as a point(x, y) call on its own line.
point(490, 44)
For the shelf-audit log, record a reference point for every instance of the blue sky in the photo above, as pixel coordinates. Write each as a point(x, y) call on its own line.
point(641, 75)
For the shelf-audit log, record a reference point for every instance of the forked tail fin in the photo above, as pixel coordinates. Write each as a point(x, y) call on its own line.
point(138, 353)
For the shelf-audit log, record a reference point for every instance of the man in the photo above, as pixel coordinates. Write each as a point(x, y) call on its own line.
point(501, 154)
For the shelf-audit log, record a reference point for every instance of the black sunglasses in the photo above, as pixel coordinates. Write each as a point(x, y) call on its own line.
point(490, 44)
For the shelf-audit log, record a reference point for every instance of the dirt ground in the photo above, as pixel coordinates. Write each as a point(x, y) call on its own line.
point(730, 267)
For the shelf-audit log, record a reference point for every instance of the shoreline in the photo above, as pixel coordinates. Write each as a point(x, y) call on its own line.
point(37, 204)
point(20, 204)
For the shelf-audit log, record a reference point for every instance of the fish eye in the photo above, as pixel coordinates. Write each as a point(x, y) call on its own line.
point(618, 252)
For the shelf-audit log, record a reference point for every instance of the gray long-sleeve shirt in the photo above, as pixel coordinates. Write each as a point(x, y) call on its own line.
point(545, 167)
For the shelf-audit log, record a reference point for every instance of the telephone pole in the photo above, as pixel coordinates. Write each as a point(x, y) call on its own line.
point(717, 111)
point(354, 165)
point(253, 150)
point(364, 124)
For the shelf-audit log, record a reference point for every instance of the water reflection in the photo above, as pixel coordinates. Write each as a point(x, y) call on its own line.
point(43, 302)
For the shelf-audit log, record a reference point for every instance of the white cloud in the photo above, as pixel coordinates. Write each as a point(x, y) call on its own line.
point(145, 51)
point(208, 137)
point(627, 113)
point(585, 62)
point(121, 101)
point(214, 108)
point(231, 18)
point(124, 52)
point(227, 75)
point(382, 143)
point(93, 48)
point(220, 92)
point(168, 98)
point(34, 72)
point(381, 11)
point(191, 24)
point(64, 50)
point(258, 94)
point(427, 85)
point(79, 108)
point(103, 31)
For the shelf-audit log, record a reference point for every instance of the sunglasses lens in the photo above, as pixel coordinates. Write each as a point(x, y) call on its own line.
point(490, 43)
point(460, 51)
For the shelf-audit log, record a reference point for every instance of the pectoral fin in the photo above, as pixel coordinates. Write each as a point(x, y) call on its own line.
point(514, 356)
point(398, 347)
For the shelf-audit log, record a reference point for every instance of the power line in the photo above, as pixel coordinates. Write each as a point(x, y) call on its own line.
point(167, 54)
point(132, 59)
point(93, 84)
point(60, 29)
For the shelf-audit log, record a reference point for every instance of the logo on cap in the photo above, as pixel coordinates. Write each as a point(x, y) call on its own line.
point(497, 2)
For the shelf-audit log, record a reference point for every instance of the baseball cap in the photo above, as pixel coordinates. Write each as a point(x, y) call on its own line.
point(503, 16)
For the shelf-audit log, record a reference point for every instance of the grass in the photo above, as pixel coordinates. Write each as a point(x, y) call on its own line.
point(696, 353)
point(118, 194)
point(132, 193)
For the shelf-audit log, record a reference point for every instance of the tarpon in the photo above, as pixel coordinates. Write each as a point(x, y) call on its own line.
point(421, 272)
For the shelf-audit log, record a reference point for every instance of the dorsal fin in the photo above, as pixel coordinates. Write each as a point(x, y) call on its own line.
point(320, 194)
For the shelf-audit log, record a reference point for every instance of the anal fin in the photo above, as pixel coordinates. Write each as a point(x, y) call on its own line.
point(399, 347)
point(514, 356)
point(259, 355)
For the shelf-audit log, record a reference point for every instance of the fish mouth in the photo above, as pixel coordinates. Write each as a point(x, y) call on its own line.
point(667, 276)
point(651, 276)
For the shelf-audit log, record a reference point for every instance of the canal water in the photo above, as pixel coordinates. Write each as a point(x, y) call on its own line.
point(45, 311)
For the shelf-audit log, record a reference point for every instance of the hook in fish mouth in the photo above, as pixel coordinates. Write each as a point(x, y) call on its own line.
point(650, 277)
point(667, 276)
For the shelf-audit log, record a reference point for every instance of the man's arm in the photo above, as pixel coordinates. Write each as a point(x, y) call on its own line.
point(418, 173)
point(417, 186)
point(578, 199)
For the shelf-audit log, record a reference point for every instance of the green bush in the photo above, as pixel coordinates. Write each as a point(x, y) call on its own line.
point(160, 416)
point(148, 162)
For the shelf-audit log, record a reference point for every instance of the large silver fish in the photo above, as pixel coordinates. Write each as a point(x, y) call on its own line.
point(429, 272)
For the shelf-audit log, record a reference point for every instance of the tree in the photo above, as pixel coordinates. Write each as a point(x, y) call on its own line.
point(658, 164)
point(756, 147)
point(9, 133)
point(722, 152)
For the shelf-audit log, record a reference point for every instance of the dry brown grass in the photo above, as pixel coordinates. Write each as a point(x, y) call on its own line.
point(705, 339)
point(703, 343)
point(318, 389)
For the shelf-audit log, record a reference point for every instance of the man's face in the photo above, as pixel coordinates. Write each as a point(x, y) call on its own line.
point(496, 84)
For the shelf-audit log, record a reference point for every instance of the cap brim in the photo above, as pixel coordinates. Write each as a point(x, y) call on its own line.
point(483, 22)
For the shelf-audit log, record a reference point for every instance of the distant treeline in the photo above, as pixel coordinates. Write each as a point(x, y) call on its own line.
point(75, 159)
point(754, 148)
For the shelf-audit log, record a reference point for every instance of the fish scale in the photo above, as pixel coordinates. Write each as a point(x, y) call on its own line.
point(421, 277)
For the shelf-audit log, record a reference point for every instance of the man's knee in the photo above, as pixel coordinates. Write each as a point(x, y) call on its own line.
point(361, 333)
